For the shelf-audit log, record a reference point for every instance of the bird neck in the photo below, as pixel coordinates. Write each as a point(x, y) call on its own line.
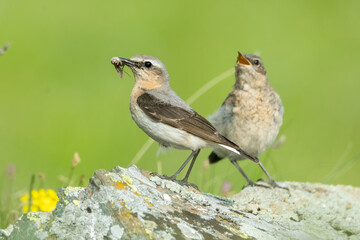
point(150, 84)
point(245, 81)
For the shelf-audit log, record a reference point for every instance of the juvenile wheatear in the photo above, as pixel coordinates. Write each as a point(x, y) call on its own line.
point(165, 117)
point(251, 115)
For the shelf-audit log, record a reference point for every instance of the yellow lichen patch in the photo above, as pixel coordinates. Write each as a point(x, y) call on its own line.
point(127, 179)
point(119, 185)
point(127, 183)
point(236, 232)
point(133, 188)
point(244, 235)
point(67, 189)
point(124, 204)
point(136, 193)
point(111, 178)
point(41, 200)
point(150, 233)
point(76, 202)
point(33, 217)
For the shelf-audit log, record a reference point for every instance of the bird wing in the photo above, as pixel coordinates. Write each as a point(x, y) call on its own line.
point(230, 99)
point(189, 121)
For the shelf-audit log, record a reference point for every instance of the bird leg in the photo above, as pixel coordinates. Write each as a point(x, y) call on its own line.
point(271, 180)
point(250, 183)
point(196, 153)
point(173, 177)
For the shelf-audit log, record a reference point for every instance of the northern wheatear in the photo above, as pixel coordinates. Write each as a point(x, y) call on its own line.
point(165, 117)
point(251, 115)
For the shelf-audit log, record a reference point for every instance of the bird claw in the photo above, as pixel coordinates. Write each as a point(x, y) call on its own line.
point(155, 174)
point(182, 182)
point(187, 184)
point(172, 178)
point(252, 184)
point(273, 184)
point(270, 184)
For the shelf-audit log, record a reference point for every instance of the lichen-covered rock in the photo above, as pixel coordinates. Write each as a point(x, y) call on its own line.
point(132, 204)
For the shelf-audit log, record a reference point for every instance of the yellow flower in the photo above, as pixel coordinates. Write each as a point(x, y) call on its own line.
point(41, 200)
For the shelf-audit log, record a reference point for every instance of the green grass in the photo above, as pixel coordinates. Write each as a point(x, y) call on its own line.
point(59, 94)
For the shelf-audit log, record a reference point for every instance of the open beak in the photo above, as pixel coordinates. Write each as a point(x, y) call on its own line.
point(242, 60)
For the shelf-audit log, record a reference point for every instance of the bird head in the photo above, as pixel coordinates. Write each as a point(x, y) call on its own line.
point(149, 72)
point(250, 70)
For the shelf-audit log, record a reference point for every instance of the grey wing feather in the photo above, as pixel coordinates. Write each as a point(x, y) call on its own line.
point(177, 117)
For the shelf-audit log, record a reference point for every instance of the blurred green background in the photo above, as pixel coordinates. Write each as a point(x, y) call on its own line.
point(59, 94)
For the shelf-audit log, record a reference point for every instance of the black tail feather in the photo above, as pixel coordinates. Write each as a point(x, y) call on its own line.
point(213, 158)
point(242, 152)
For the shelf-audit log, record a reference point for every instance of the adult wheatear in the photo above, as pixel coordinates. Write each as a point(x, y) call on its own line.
point(251, 115)
point(165, 117)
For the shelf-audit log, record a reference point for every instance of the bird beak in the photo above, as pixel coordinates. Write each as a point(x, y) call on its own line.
point(121, 62)
point(242, 60)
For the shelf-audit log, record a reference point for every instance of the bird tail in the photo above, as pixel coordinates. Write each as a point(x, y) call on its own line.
point(248, 156)
point(236, 149)
point(214, 158)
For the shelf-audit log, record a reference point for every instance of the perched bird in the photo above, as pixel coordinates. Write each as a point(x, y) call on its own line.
point(251, 115)
point(165, 117)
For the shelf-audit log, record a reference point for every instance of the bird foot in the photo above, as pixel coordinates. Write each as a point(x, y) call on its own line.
point(187, 184)
point(252, 184)
point(273, 184)
point(172, 178)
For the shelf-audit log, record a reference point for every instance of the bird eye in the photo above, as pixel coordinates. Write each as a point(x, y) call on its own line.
point(256, 62)
point(148, 64)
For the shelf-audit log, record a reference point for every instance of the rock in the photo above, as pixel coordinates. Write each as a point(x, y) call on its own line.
point(132, 204)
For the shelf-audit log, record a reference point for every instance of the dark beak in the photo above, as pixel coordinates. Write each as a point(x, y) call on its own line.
point(242, 60)
point(120, 62)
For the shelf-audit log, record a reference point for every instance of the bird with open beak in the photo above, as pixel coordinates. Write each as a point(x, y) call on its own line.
point(165, 117)
point(251, 115)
